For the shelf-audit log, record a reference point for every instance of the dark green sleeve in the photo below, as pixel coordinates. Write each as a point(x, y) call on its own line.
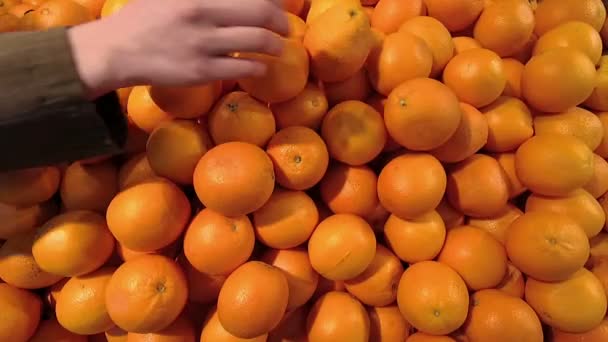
point(44, 116)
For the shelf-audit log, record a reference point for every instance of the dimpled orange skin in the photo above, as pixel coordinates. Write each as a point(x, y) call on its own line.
point(225, 182)
point(575, 34)
point(558, 79)
point(538, 159)
point(337, 316)
point(598, 185)
point(433, 298)
point(551, 13)
point(510, 124)
point(350, 190)
point(416, 240)
point(253, 300)
point(311, 106)
point(422, 114)
point(408, 193)
point(577, 122)
point(342, 247)
point(455, 15)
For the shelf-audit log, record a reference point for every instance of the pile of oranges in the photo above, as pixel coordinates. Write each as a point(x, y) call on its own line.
point(420, 170)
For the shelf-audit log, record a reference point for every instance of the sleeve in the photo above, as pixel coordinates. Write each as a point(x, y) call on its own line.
point(44, 116)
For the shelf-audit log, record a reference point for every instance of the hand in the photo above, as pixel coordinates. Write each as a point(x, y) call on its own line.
point(185, 42)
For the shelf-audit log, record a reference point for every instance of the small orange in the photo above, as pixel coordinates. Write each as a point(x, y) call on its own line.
point(18, 220)
point(537, 159)
point(253, 300)
point(599, 333)
point(419, 239)
point(59, 13)
point(297, 27)
point(387, 324)
point(470, 137)
point(551, 13)
point(51, 330)
point(597, 100)
point(513, 283)
point(134, 171)
point(143, 111)
point(214, 331)
point(389, 15)
point(575, 121)
point(498, 317)
point(464, 43)
point(306, 109)
point(112, 6)
point(598, 185)
point(433, 298)
point(89, 187)
point(602, 150)
point(513, 70)
point(455, 15)
point(302, 279)
point(342, 247)
point(498, 225)
point(478, 187)
point(287, 220)
point(299, 156)
point(355, 88)
point(510, 124)
point(507, 161)
point(21, 311)
point(234, 178)
point(450, 216)
point(407, 193)
point(186, 102)
point(377, 285)
point(422, 337)
point(337, 316)
point(575, 34)
point(575, 305)
point(182, 330)
point(436, 36)
point(578, 205)
point(146, 294)
point(547, 246)
point(350, 190)
point(202, 288)
point(240, 117)
point(28, 187)
point(215, 244)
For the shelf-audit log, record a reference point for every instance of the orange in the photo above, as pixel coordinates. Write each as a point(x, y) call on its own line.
point(422, 337)
point(253, 300)
point(325, 285)
point(21, 311)
point(377, 285)
point(148, 216)
point(498, 317)
point(478, 187)
point(476, 255)
point(598, 185)
point(600, 270)
point(401, 56)
point(342, 247)
point(285, 77)
point(602, 150)
point(476, 76)
point(10, 22)
point(202, 288)
point(547, 246)
point(29, 186)
point(357, 87)
point(408, 193)
point(293, 6)
point(301, 277)
point(350, 190)
point(578, 205)
point(513, 70)
point(574, 34)
point(436, 36)
point(240, 117)
point(299, 156)
point(306, 109)
point(19, 10)
point(318, 7)
point(599, 249)
point(214, 331)
point(389, 15)
point(566, 76)
point(422, 114)
point(215, 244)
point(234, 178)
point(8, 4)
point(59, 13)
point(18, 220)
point(112, 6)
point(378, 218)
point(507, 161)
point(551, 13)
point(470, 137)
point(338, 41)
point(126, 254)
point(182, 330)
point(462, 44)
point(18, 267)
point(597, 100)
point(455, 15)
point(143, 111)
point(146, 294)
point(575, 121)
point(89, 187)
point(575, 305)
point(292, 327)
point(51, 330)
point(81, 306)
point(599, 333)
point(354, 132)
point(387, 324)
point(498, 225)
point(94, 6)
point(538, 158)
point(134, 171)
point(450, 216)
point(337, 316)
point(287, 220)
point(433, 298)
point(415, 240)
point(73, 244)
point(377, 101)
point(186, 102)
point(513, 283)
point(297, 27)
point(510, 124)
point(505, 27)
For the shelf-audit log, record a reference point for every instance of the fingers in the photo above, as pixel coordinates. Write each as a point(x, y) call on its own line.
point(225, 40)
point(230, 68)
point(257, 13)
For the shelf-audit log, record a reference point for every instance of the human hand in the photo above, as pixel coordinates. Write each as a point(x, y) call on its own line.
point(186, 42)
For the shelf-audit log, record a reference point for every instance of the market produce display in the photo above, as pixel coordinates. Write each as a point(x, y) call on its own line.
point(406, 171)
